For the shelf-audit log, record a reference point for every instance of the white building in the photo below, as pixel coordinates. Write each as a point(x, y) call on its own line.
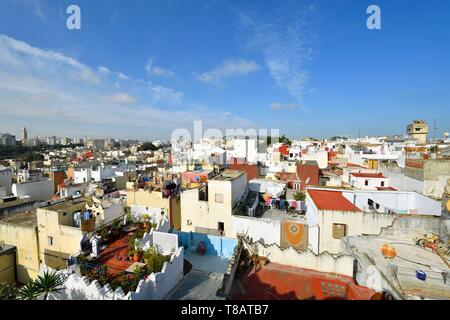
point(368, 181)
point(246, 149)
point(209, 209)
point(335, 214)
point(41, 190)
point(6, 180)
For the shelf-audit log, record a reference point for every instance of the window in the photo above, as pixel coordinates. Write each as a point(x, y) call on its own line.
point(339, 230)
point(377, 206)
point(366, 182)
point(382, 183)
point(50, 240)
point(219, 198)
point(370, 202)
point(221, 227)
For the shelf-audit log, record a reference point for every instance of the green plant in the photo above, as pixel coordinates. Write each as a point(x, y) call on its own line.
point(115, 283)
point(299, 196)
point(49, 282)
point(101, 275)
point(132, 243)
point(241, 209)
point(28, 291)
point(8, 291)
point(140, 233)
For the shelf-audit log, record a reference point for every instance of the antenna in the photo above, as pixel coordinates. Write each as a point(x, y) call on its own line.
point(434, 129)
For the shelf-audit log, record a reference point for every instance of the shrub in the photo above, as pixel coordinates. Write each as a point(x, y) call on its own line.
point(299, 196)
point(8, 291)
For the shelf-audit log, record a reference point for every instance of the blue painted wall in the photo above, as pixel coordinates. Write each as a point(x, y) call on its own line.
point(218, 246)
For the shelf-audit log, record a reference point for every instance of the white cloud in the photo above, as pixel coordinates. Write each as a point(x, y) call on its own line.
point(121, 98)
point(285, 45)
point(229, 68)
point(287, 106)
point(56, 94)
point(157, 71)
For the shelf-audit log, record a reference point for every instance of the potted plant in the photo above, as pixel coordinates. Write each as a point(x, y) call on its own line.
point(137, 255)
point(146, 219)
point(130, 255)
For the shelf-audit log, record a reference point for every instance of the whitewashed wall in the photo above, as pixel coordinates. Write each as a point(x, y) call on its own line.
point(324, 262)
point(264, 230)
point(155, 287)
point(41, 190)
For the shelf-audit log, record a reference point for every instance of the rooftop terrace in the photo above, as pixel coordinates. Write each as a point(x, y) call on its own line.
point(228, 175)
point(280, 282)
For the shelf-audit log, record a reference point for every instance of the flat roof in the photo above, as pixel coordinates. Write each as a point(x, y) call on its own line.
point(24, 219)
point(409, 258)
point(228, 175)
point(68, 204)
point(282, 282)
point(367, 175)
point(331, 200)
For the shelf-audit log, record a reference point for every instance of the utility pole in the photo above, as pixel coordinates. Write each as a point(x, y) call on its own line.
point(434, 129)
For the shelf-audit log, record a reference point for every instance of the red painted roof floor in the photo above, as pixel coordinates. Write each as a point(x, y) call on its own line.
point(331, 200)
point(109, 255)
point(280, 282)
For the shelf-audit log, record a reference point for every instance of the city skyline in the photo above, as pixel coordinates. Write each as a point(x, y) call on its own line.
point(307, 68)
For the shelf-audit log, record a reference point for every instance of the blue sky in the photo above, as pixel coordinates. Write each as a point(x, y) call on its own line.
point(139, 69)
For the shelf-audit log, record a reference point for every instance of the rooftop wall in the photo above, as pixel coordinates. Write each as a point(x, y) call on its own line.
point(155, 287)
point(218, 246)
point(325, 262)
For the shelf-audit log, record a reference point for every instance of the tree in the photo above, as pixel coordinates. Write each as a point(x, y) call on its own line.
point(299, 196)
point(285, 140)
point(8, 291)
point(148, 146)
point(49, 282)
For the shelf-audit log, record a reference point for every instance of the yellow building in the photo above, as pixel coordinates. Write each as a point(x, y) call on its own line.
point(418, 130)
point(7, 263)
point(155, 199)
point(59, 236)
point(20, 230)
point(47, 235)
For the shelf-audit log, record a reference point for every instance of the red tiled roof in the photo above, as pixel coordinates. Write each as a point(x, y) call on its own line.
point(367, 175)
point(331, 200)
point(349, 164)
point(284, 150)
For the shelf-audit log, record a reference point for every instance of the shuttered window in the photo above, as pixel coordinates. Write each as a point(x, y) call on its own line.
point(339, 230)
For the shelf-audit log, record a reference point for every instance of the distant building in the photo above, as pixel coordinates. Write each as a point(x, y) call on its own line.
point(24, 135)
point(7, 139)
point(51, 140)
point(418, 130)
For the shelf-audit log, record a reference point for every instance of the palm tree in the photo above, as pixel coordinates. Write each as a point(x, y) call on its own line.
point(29, 291)
point(49, 282)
